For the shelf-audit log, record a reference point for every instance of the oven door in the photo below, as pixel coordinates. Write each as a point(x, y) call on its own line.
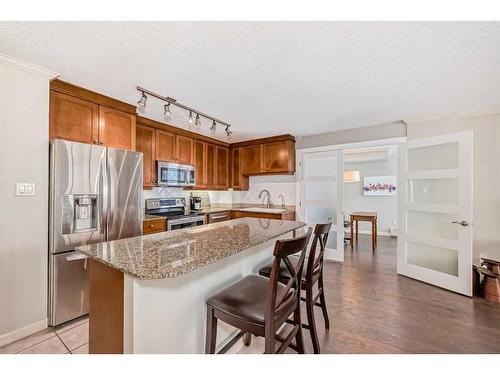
point(171, 174)
point(185, 223)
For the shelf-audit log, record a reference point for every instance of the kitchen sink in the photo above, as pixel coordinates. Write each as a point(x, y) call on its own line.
point(264, 209)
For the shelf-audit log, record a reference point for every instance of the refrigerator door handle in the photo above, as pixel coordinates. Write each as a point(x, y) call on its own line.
point(104, 191)
point(72, 258)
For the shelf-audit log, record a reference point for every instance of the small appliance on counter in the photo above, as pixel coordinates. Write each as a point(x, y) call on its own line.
point(174, 209)
point(196, 203)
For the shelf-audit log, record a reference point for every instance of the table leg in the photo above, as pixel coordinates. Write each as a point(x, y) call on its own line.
point(357, 222)
point(352, 237)
point(374, 236)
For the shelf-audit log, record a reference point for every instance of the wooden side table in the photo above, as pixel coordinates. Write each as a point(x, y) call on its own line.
point(364, 216)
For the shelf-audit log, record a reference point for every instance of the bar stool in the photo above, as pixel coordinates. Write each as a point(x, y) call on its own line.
point(259, 305)
point(312, 275)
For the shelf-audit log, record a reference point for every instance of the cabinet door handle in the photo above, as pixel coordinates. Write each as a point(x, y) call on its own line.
point(101, 143)
point(95, 141)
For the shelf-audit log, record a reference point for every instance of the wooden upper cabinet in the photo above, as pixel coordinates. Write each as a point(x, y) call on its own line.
point(238, 180)
point(211, 163)
point(222, 170)
point(165, 146)
point(116, 128)
point(252, 160)
point(184, 150)
point(279, 157)
point(200, 157)
point(146, 143)
point(73, 119)
point(274, 155)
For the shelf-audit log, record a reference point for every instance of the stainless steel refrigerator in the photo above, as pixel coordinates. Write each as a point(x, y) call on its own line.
point(95, 196)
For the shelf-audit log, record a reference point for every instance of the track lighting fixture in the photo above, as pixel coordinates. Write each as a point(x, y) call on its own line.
point(191, 119)
point(213, 127)
point(166, 111)
point(142, 100)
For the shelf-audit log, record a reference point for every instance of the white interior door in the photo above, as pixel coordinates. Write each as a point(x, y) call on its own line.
point(435, 211)
point(321, 196)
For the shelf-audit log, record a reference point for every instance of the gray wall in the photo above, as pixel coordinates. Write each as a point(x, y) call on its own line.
point(367, 133)
point(385, 206)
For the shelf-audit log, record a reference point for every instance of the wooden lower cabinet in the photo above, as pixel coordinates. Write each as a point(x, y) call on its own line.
point(264, 215)
point(154, 226)
point(146, 143)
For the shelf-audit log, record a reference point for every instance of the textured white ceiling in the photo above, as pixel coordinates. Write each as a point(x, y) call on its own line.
point(270, 78)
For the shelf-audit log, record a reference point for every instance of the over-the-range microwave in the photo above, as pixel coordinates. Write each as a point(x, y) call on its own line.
point(172, 174)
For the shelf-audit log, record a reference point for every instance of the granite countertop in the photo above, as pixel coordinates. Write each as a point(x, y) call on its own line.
point(172, 254)
point(220, 207)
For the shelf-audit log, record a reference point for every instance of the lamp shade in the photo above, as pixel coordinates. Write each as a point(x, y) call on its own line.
point(351, 176)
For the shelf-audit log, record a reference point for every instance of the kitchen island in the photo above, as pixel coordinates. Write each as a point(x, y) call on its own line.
point(148, 293)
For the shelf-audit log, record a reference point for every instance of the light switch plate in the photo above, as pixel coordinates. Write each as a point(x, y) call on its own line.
point(23, 188)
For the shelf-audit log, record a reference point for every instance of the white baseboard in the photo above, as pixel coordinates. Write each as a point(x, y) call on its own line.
point(378, 233)
point(19, 333)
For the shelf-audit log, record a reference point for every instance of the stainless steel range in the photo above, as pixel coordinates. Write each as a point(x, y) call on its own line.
point(174, 209)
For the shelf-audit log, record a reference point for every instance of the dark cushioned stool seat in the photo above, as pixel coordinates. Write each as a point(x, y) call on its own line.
point(245, 299)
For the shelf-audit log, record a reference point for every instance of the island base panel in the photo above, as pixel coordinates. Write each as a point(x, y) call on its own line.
point(106, 309)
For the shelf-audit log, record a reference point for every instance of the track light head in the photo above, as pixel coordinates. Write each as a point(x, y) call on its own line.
point(166, 112)
point(142, 100)
point(228, 131)
point(190, 119)
point(213, 127)
point(197, 121)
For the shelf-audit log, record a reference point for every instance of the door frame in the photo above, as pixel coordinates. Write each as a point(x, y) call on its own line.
point(344, 146)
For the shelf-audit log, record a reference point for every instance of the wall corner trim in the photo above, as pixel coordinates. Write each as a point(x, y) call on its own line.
point(27, 67)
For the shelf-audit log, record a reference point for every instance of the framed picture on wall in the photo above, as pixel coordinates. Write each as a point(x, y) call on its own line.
point(379, 185)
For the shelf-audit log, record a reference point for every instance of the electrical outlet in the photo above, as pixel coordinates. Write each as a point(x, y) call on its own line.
point(25, 188)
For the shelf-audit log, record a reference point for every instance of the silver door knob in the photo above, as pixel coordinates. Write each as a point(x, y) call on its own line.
point(462, 223)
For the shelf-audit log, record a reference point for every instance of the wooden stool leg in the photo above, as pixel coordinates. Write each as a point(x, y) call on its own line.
point(298, 337)
point(211, 331)
point(357, 230)
point(247, 339)
point(311, 321)
point(323, 302)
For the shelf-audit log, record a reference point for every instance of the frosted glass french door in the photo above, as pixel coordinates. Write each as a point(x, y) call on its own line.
point(321, 196)
point(435, 211)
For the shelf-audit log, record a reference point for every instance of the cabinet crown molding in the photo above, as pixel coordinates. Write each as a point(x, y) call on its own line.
point(27, 67)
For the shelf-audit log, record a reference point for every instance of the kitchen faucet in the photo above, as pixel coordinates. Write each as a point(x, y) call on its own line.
point(269, 203)
point(282, 200)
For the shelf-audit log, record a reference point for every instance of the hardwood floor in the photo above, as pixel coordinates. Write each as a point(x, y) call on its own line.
point(371, 308)
point(374, 310)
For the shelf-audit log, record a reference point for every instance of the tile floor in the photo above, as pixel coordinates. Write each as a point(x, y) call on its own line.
point(69, 338)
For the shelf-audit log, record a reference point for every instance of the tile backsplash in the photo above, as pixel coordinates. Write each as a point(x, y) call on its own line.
point(279, 184)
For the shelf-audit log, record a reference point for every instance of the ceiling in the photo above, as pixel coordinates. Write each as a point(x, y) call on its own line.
point(268, 78)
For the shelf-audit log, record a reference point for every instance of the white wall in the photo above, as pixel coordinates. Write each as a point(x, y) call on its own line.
point(385, 206)
point(278, 184)
point(486, 164)
point(24, 147)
